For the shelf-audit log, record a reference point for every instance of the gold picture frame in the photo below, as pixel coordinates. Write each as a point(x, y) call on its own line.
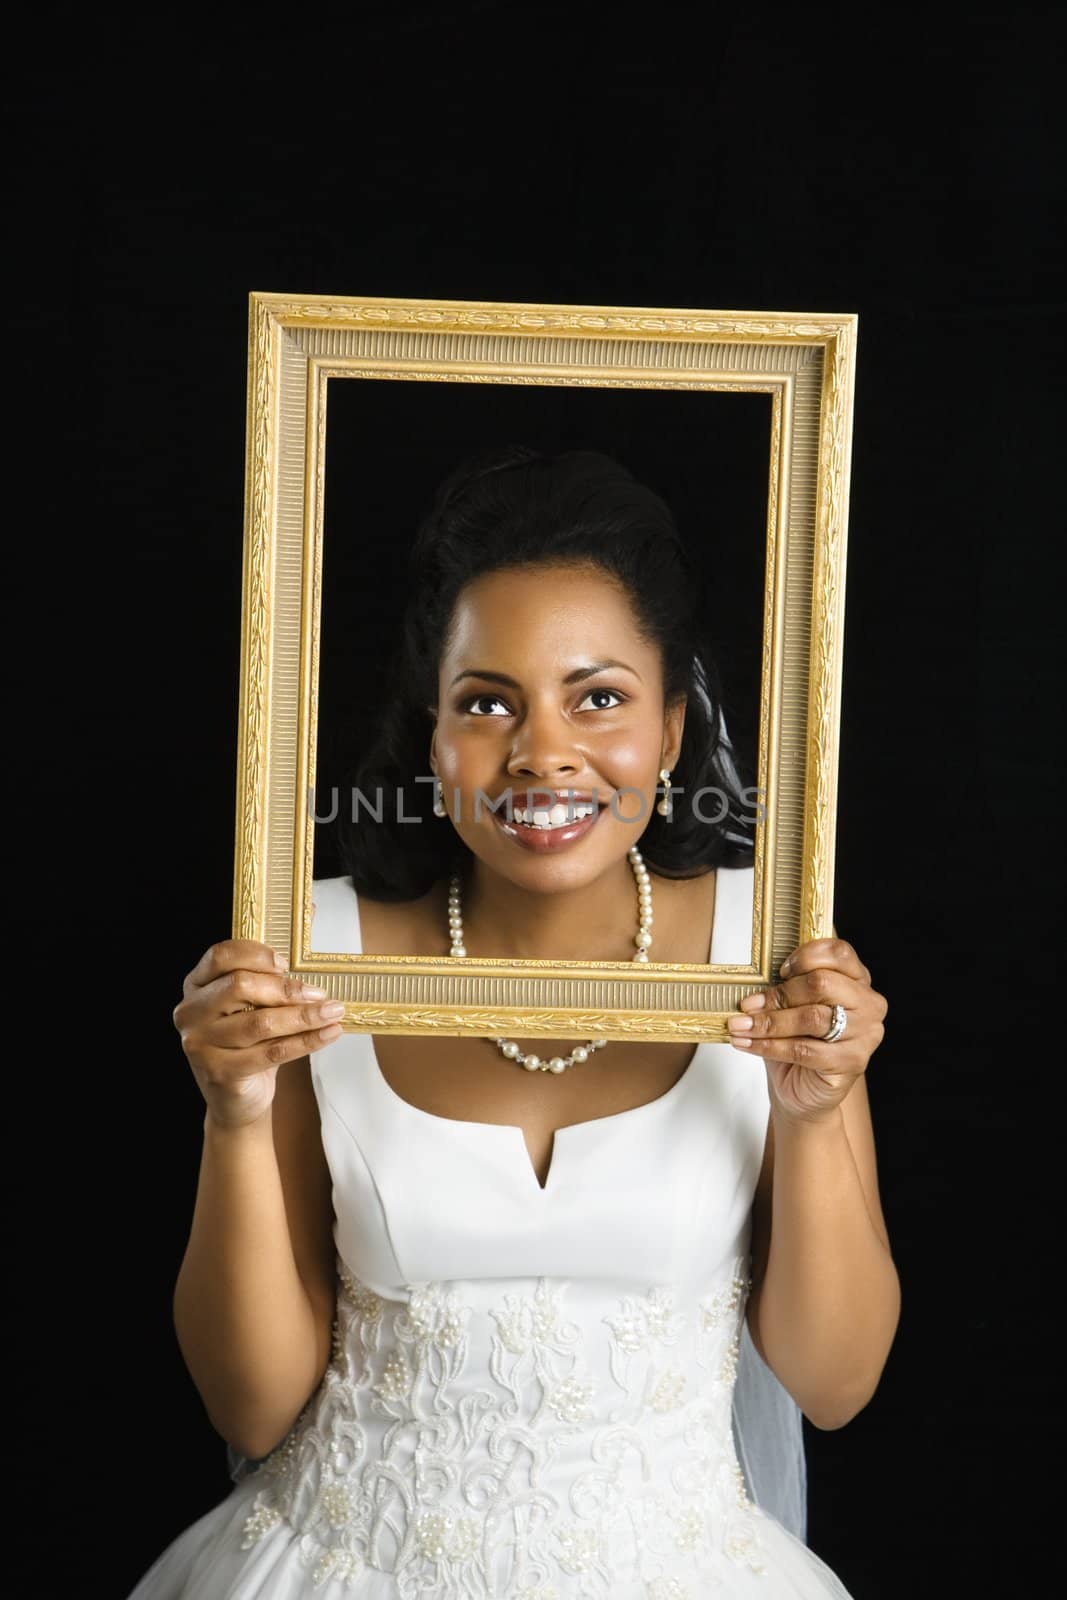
point(806, 364)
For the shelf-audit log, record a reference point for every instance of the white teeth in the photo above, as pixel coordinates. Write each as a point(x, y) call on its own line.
point(556, 817)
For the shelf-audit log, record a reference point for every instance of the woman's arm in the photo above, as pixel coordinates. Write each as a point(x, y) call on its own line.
point(253, 1304)
point(255, 1297)
point(825, 1301)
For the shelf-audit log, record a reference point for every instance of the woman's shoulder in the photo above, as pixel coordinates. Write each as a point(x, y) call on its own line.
point(710, 914)
point(345, 922)
point(353, 924)
point(702, 888)
point(731, 929)
point(335, 916)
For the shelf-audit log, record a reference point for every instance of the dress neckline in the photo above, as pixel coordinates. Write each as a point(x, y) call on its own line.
point(513, 1131)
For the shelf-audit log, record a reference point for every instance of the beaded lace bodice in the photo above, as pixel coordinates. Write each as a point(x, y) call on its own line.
point(530, 1391)
point(507, 1440)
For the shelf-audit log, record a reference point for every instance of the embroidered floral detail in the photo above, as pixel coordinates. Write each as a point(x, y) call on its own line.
point(464, 1539)
point(338, 1504)
point(262, 1520)
point(477, 1442)
point(524, 1324)
point(667, 1589)
point(570, 1400)
point(631, 1332)
point(363, 1301)
point(433, 1317)
point(741, 1546)
point(577, 1549)
point(395, 1380)
point(367, 1304)
point(689, 1528)
point(347, 1565)
point(278, 1462)
point(652, 1318)
point(728, 1365)
point(438, 1535)
point(723, 1305)
point(659, 1314)
point(667, 1395)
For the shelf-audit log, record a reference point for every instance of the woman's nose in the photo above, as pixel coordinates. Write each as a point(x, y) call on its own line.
point(542, 746)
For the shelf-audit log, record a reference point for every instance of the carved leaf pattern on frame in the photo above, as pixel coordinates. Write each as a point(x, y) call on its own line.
point(614, 1024)
point(259, 910)
point(826, 645)
point(809, 330)
point(253, 776)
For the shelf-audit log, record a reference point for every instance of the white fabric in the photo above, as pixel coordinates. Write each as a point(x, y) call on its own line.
point(533, 1390)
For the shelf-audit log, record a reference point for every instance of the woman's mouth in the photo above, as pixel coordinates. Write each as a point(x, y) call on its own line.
point(546, 828)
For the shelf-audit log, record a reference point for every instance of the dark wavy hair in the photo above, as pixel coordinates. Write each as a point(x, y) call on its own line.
point(519, 507)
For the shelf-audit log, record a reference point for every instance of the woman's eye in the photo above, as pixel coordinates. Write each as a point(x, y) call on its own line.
point(479, 705)
point(612, 693)
point(479, 700)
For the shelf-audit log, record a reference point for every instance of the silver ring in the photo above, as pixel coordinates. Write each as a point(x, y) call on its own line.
point(837, 1026)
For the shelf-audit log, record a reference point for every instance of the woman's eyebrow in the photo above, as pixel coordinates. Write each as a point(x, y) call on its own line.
point(576, 676)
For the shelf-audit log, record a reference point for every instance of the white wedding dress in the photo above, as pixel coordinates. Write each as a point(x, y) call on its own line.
point(531, 1389)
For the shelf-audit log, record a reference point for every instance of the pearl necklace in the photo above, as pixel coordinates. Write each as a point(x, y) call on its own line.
point(642, 939)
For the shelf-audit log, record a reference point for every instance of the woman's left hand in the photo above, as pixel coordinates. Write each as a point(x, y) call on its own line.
point(808, 1075)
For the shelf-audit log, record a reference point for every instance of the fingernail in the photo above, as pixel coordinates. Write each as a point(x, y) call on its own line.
point(280, 961)
point(741, 1044)
point(753, 1002)
point(334, 1009)
point(785, 966)
point(739, 1024)
point(308, 991)
point(331, 1032)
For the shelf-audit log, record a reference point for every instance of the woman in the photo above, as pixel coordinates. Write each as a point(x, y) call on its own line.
point(475, 1307)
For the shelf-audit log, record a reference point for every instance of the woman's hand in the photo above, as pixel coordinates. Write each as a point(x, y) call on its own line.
point(809, 1076)
point(242, 1018)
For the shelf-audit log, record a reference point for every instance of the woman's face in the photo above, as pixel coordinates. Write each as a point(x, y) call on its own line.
point(546, 687)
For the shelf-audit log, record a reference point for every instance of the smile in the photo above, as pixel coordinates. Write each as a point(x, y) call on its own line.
point(555, 816)
point(549, 828)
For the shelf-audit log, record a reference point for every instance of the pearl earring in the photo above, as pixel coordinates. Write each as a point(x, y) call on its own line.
point(439, 809)
point(665, 808)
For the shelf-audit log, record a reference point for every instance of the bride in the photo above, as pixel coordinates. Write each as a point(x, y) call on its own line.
point(532, 1319)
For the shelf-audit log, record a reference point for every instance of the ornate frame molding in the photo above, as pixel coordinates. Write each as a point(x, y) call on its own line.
point(297, 345)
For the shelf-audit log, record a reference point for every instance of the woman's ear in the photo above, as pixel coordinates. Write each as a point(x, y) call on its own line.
point(673, 728)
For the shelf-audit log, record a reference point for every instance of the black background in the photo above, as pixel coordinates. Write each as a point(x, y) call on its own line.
point(832, 161)
point(389, 444)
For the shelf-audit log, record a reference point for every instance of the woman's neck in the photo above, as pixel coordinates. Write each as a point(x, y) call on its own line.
point(594, 923)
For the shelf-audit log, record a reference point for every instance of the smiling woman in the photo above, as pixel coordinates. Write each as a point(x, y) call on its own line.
point(602, 747)
point(552, 653)
point(532, 1321)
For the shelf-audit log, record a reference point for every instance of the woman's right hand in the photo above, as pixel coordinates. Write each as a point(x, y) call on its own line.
point(235, 1051)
